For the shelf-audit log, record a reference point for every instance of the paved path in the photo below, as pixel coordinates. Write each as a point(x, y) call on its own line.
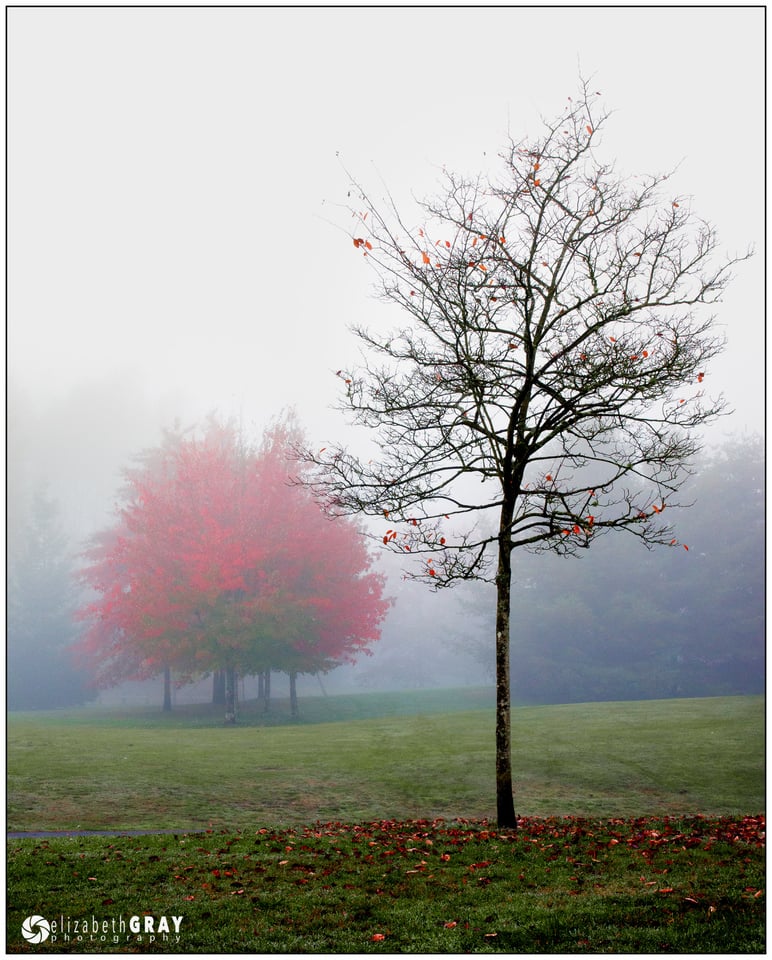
point(23, 835)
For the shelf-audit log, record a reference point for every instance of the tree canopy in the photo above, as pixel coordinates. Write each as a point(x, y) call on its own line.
point(217, 562)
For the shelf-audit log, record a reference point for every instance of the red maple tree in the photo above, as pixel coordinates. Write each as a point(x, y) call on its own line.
point(217, 562)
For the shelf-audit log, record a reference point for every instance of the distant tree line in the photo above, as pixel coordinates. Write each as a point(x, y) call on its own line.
point(619, 623)
point(625, 623)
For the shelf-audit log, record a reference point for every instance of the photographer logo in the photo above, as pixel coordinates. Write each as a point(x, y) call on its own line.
point(144, 929)
point(35, 929)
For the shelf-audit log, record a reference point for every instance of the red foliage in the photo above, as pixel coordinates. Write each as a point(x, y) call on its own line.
point(218, 560)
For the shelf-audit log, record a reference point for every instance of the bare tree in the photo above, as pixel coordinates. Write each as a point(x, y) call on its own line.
point(547, 383)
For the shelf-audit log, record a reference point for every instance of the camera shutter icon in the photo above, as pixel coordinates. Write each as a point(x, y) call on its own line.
point(35, 929)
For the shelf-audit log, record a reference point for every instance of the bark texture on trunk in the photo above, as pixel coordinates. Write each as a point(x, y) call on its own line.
point(293, 694)
point(505, 804)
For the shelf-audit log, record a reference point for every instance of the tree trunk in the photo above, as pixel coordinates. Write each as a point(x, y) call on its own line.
point(230, 696)
point(218, 687)
point(293, 694)
point(267, 690)
point(167, 690)
point(505, 804)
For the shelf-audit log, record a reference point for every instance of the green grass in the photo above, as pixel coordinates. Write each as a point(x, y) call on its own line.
point(313, 710)
point(643, 831)
point(139, 769)
point(686, 885)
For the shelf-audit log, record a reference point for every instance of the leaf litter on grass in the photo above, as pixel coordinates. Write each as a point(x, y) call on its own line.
point(557, 884)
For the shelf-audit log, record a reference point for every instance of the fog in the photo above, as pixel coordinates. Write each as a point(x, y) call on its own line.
point(177, 241)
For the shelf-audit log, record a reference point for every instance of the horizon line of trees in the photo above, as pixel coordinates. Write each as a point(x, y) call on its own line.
point(618, 625)
point(628, 625)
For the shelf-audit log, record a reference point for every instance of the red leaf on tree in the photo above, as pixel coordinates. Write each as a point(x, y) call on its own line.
point(205, 530)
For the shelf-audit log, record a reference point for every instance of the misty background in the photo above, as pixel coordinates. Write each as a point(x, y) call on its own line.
point(177, 245)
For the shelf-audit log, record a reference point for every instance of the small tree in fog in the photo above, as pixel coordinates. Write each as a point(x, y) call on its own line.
point(547, 381)
point(41, 671)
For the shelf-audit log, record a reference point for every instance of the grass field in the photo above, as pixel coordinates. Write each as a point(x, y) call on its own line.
point(556, 886)
point(359, 830)
point(139, 769)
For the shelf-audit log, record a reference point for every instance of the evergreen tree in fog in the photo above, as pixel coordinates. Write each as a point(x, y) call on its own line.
point(40, 670)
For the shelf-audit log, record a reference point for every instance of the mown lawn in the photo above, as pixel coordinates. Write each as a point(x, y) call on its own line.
point(643, 830)
point(557, 885)
point(139, 769)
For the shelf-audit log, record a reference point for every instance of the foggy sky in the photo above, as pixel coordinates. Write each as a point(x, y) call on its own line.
point(176, 237)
